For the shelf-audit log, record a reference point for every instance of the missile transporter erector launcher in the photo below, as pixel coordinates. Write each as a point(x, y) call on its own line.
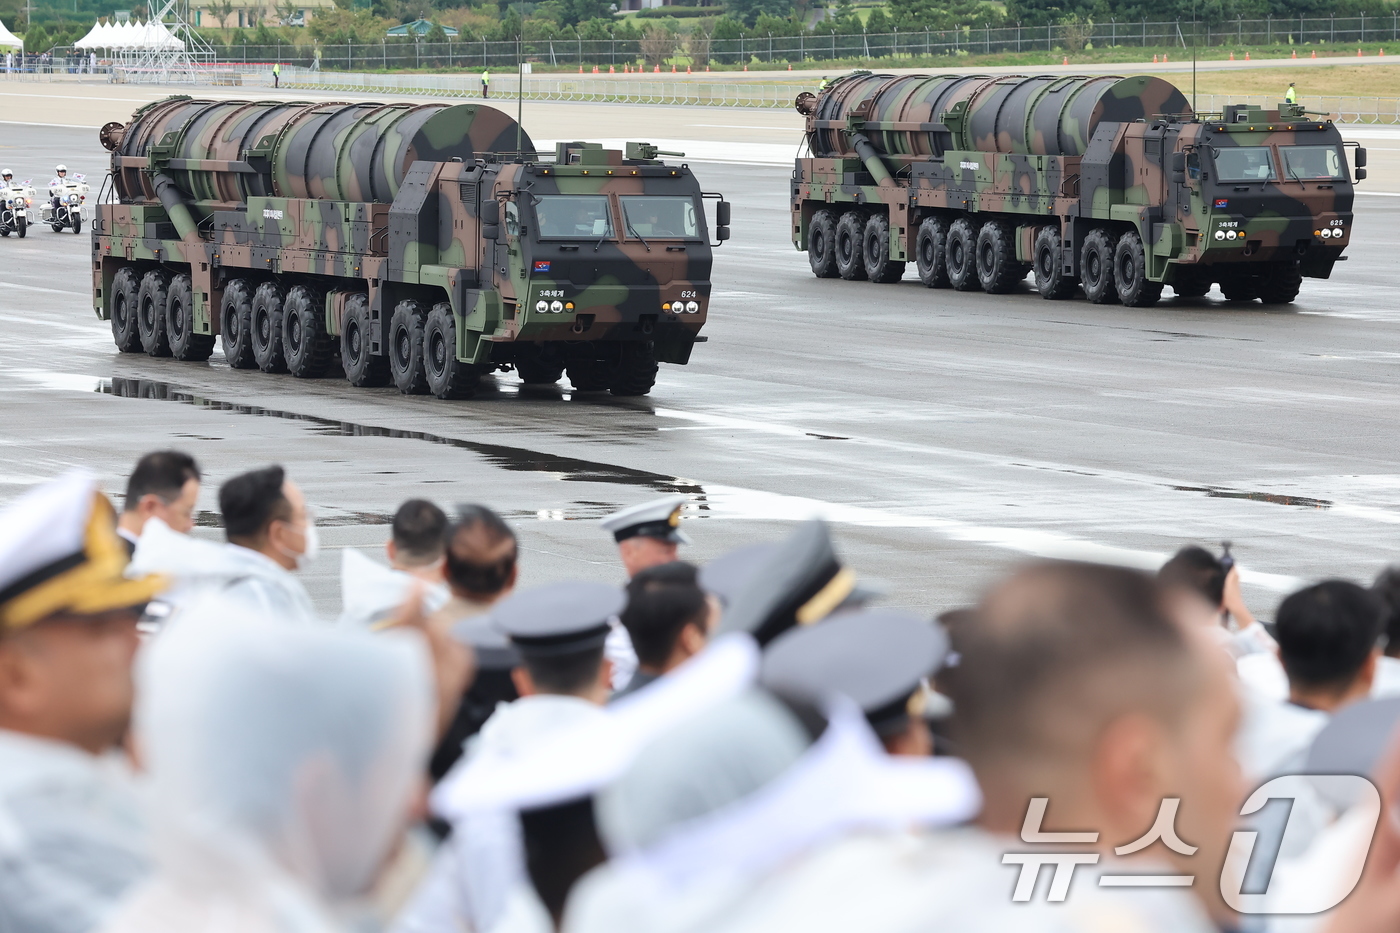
point(1106, 183)
point(420, 244)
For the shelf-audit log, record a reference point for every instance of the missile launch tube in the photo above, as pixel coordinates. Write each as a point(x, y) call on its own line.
point(230, 151)
point(927, 115)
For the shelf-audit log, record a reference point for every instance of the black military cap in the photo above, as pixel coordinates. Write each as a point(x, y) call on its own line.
point(726, 576)
point(802, 581)
point(877, 657)
point(562, 618)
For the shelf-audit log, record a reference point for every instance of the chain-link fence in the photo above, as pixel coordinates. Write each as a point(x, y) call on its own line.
point(563, 51)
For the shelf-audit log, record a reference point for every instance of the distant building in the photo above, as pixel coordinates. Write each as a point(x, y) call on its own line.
point(247, 14)
point(419, 27)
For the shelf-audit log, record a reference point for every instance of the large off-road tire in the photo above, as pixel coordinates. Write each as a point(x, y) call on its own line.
point(185, 345)
point(306, 344)
point(266, 319)
point(447, 376)
point(636, 370)
point(235, 324)
point(875, 249)
point(1051, 280)
point(850, 256)
point(1096, 267)
point(930, 252)
point(997, 268)
point(1135, 289)
point(535, 368)
point(1191, 281)
point(362, 368)
point(821, 244)
point(1239, 286)
point(1280, 284)
point(962, 255)
point(406, 347)
point(122, 306)
point(150, 313)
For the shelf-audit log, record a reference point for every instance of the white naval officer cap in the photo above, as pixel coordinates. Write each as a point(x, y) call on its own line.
point(660, 518)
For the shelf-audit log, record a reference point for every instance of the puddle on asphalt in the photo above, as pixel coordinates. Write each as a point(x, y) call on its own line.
point(569, 469)
point(1217, 492)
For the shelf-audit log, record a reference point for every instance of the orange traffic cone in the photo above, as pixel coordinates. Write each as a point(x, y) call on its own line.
point(673, 69)
point(656, 69)
point(611, 71)
point(687, 69)
point(595, 69)
point(1066, 61)
point(789, 66)
point(1358, 53)
point(1314, 53)
point(1295, 53)
point(1232, 56)
point(580, 69)
point(746, 67)
point(1246, 56)
point(707, 68)
point(1154, 58)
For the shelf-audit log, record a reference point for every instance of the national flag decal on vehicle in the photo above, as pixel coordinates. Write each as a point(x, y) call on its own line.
point(541, 265)
point(1219, 202)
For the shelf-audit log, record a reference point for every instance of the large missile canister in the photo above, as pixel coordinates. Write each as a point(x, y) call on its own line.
point(1045, 115)
point(232, 150)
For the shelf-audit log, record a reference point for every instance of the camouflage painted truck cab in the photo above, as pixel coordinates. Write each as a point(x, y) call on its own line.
point(423, 245)
point(1108, 184)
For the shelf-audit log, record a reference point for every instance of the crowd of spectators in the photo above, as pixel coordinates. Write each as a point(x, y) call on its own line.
point(186, 746)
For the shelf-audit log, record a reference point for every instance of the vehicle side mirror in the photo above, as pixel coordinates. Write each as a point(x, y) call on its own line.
point(722, 233)
point(1179, 168)
point(490, 220)
point(722, 209)
point(1360, 157)
point(1361, 174)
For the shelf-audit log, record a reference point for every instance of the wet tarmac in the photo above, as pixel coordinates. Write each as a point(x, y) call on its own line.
point(947, 434)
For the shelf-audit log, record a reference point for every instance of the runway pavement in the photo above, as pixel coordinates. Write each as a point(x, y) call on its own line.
point(946, 434)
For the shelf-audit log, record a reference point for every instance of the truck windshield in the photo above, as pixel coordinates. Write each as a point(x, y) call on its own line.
point(570, 216)
point(660, 217)
point(1306, 163)
point(1246, 163)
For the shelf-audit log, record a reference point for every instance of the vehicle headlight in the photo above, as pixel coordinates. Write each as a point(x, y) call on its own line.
point(541, 306)
point(1220, 234)
point(557, 307)
point(692, 306)
point(72, 199)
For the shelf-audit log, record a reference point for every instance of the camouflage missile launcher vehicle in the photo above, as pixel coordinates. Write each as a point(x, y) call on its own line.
point(1106, 183)
point(425, 245)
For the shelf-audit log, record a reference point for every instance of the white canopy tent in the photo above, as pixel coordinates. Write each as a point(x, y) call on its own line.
point(8, 39)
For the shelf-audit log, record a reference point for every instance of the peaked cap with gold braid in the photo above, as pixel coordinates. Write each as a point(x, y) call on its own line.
point(801, 582)
point(59, 552)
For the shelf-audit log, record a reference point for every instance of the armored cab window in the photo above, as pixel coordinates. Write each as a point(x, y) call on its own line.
point(570, 216)
point(1193, 165)
point(660, 217)
point(1247, 163)
point(512, 219)
point(1309, 163)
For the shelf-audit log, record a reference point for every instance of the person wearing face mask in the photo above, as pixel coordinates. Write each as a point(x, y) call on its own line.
point(270, 534)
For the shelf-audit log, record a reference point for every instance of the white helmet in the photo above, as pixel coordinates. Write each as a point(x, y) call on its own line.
point(6, 173)
point(62, 170)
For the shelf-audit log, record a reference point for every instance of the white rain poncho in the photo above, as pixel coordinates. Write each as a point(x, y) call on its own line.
point(72, 835)
point(200, 567)
point(370, 593)
point(282, 761)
